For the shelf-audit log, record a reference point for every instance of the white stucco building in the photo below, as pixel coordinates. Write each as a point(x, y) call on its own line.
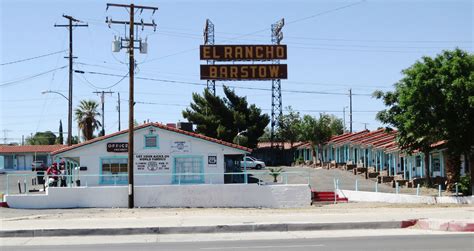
point(163, 155)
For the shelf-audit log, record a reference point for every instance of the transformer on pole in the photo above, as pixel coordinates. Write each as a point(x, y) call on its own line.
point(277, 107)
point(209, 40)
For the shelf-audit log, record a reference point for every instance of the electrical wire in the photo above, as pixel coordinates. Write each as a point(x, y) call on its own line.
point(9, 83)
point(266, 29)
point(231, 86)
point(32, 58)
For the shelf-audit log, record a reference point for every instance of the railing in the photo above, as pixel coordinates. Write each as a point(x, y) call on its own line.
point(32, 183)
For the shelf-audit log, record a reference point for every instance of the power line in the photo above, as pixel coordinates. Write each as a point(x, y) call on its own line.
point(8, 83)
point(28, 59)
point(231, 86)
point(262, 30)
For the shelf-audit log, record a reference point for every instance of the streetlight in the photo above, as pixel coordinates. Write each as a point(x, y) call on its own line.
point(69, 121)
point(239, 134)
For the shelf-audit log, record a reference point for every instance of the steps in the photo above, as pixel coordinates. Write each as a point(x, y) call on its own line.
point(326, 197)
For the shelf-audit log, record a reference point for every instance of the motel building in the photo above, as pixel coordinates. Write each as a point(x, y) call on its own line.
point(172, 168)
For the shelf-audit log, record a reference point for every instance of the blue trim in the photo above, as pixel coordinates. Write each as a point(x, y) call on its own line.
point(177, 180)
point(101, 178)
point(150, 136)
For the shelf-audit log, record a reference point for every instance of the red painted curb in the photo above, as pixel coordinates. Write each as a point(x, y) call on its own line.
point(3, 204)
point(461, 227)
point(408, 223)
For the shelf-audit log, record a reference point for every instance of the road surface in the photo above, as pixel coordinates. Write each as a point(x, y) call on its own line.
point(411, 242)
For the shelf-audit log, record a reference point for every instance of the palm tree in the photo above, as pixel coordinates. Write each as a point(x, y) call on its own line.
point(86, 115)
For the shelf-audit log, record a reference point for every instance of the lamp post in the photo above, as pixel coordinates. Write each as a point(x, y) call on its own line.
point(69, 131)
point(239, 134)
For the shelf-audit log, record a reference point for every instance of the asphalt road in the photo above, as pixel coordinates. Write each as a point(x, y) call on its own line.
point(421, 242)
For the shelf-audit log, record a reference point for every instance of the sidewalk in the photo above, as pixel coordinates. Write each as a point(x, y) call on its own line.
point(29, 223)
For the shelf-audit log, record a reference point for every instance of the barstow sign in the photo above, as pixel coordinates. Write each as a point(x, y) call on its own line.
point(243, 53)
point(244, 72)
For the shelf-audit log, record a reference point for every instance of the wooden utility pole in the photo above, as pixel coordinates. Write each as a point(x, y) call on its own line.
point(70, 26)
point(131, 8)
point(102, 100)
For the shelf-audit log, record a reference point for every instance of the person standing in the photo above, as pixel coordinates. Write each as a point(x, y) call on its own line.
point(53, 173)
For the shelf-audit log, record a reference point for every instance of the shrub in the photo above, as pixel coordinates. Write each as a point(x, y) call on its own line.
point(465, 185)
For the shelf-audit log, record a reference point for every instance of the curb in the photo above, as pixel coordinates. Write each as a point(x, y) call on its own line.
point(283, 227)
point(442, 225)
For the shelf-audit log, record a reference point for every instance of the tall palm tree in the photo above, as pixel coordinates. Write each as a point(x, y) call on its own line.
point(86, 114)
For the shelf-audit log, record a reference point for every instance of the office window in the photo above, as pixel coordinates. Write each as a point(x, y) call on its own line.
point(114, 170)
point(188, 169)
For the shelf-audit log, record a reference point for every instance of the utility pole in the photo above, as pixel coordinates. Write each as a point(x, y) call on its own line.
point(70, 26)
point(102, 100)
point(118, 109)
point(130, 45)
point(344, 118)
point(350, 109)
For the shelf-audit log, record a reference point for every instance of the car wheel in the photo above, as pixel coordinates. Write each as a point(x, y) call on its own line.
point(258, 167)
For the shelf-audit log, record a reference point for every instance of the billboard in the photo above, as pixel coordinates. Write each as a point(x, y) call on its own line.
point(244, 72)
point(243, 52)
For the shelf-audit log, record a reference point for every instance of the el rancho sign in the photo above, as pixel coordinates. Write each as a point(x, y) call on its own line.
point(243, 52)
point(249, 71)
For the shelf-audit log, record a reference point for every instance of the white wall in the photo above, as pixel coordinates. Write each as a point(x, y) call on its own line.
point(360, 196)
point(90, 155)
point(230, 195)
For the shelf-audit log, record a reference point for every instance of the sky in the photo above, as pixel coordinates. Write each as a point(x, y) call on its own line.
point(333, 46)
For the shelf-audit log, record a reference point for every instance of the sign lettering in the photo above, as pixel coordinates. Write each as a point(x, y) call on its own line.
point(243, 52)
point(244, 72)
point(117, 147)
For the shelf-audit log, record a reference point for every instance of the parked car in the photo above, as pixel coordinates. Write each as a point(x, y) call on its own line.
point(38, 166)
point(252, 162)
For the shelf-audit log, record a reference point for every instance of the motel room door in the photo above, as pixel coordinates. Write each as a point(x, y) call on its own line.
point(21, 162)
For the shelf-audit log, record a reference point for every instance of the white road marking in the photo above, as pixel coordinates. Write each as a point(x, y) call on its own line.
point(265, 247)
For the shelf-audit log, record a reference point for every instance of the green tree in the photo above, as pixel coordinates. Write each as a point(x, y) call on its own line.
point(224, 118)
point(434, 101)
point(60, 139)
point(319, 131)
point(86, 116)
point(336, 124)
point(42, 138)
point(289, 126)
point(266, 136)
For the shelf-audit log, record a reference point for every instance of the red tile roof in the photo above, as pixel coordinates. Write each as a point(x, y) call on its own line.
point(31, 149)
point(161, 126)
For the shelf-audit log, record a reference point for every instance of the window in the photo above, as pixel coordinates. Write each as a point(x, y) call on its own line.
point(114, 170)
point(418, 161)
point(151, 141)
point(188, 169)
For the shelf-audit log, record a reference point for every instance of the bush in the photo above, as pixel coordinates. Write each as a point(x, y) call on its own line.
point(299, 161)
point(465, 185)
